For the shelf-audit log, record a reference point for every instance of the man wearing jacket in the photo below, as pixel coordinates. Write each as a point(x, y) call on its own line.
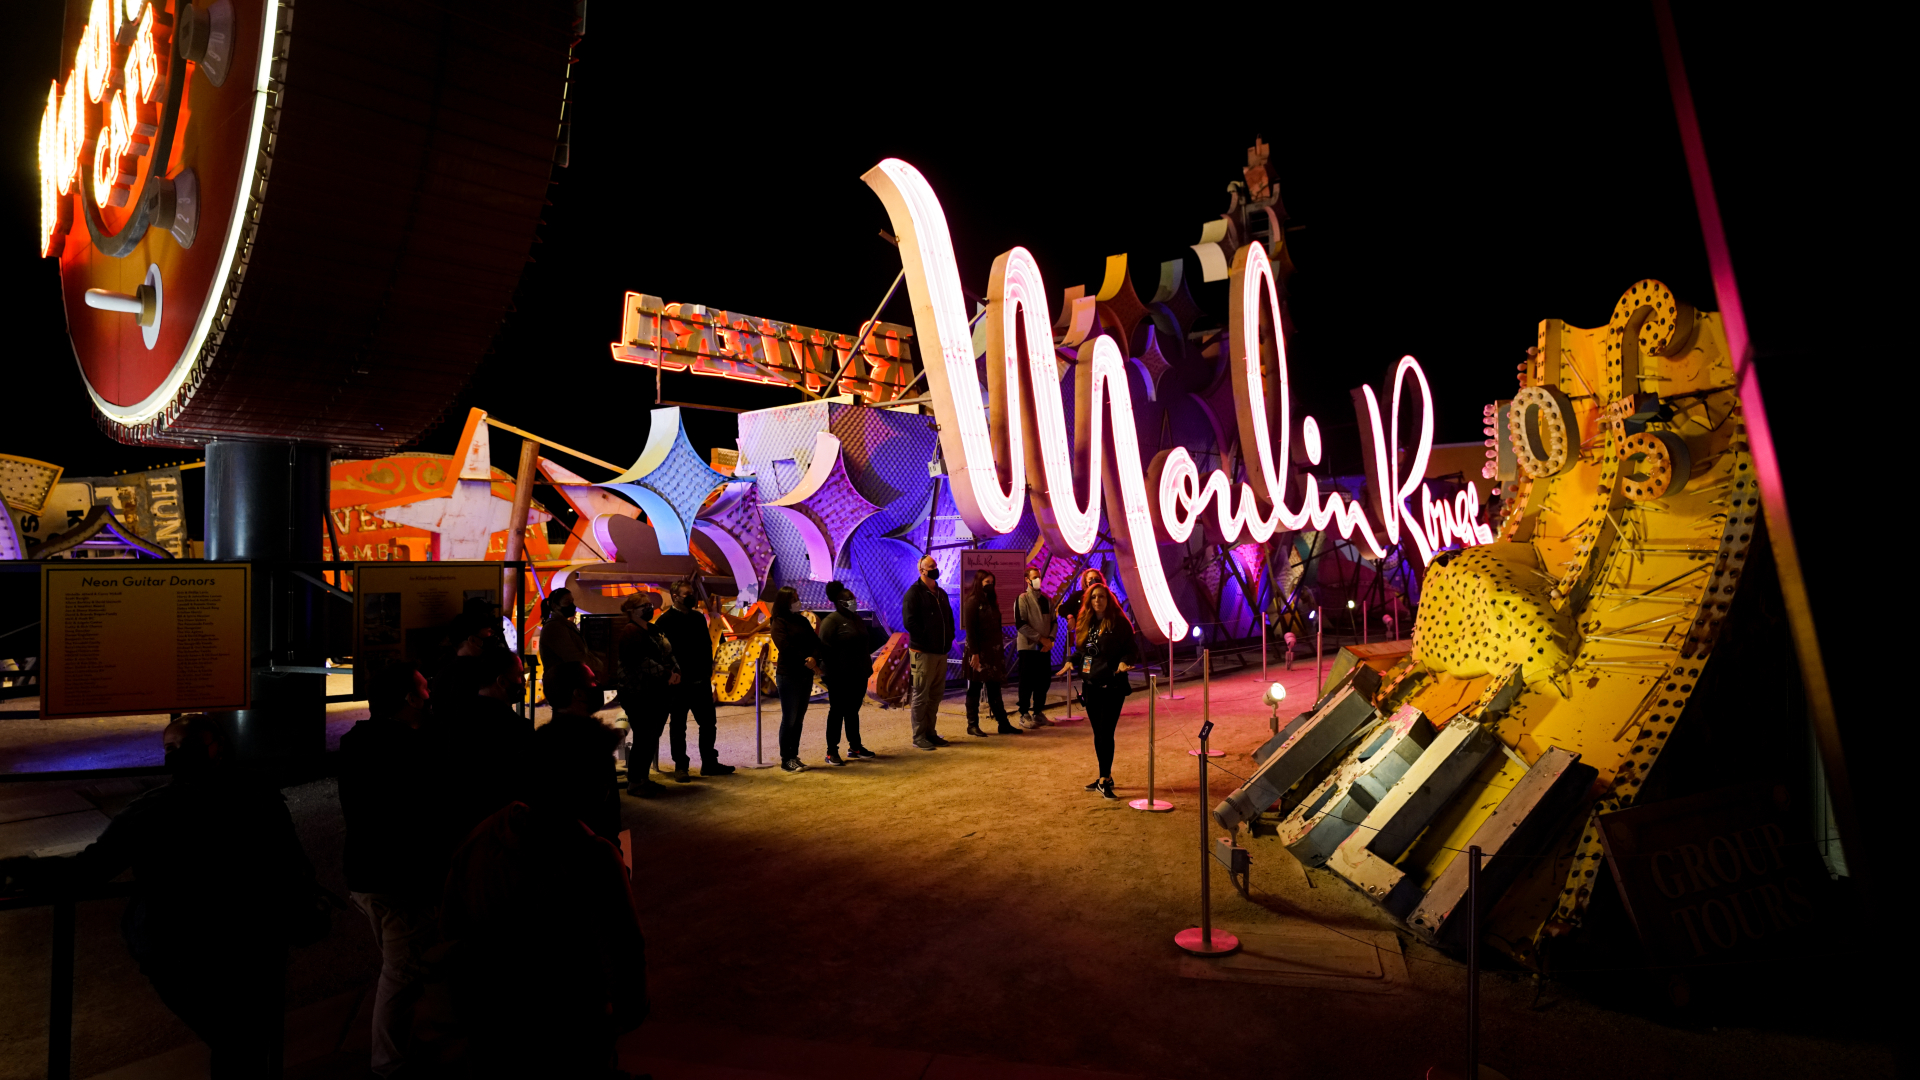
point(928, 617)
point(1033, 618)
point(686, 628)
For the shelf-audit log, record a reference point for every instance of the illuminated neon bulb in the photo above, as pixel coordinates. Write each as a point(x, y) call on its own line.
point(127, 120)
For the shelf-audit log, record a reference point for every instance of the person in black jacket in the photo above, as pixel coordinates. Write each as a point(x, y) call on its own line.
point(686, 627)
point(488, 741)
point(928, 617)
point(800, 651)
point(1076, 602)
point(649, 671)
point(847, 661)
point(395, 849)
point(1105, 651)
point(984, 661)
point(572, 760)
point(220, 881)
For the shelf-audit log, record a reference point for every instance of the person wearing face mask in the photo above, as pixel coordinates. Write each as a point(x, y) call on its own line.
point(985, 660)
point(649, 671)
point(1033, 618)
point(686, 627)
point(798, 644)
point(848, 647)
point(561, 641)
point(1072, 608)
point(220, 882)
point(927, 614)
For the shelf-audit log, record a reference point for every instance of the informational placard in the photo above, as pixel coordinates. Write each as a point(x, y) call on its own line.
point(144, 637)
point(1009, 570)
point(405, 611)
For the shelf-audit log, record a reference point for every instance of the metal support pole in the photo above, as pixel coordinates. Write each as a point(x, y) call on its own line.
point(1363, 620)
point(759, 737)
point(1070, 714)
point(1203, 940)
point(1473, 962)
point(1319, 636)
point(1170, 695)
point(1151, 804)
point(60, 1000)
point(1206, 703)
point(1263, 645)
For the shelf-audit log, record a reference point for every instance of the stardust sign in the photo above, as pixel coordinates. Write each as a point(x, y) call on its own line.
point(1015, 448)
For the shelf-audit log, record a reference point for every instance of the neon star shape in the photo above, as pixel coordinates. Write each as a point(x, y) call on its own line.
point(670, 482)
point(733, 524)
point(825, 508)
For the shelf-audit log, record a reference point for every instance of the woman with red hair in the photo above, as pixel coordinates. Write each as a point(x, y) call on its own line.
point(1104, 651)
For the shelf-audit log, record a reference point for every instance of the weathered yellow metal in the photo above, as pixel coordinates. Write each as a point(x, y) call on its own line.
point(1587, 624)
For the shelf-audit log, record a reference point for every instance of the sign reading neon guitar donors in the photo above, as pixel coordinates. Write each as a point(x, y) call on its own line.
point(1016, 446)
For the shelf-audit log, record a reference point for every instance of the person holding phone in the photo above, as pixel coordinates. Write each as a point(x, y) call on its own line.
point(1105, 650)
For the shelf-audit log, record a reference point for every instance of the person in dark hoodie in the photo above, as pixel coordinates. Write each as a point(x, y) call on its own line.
point(573, 751)
point(396, 845)
point(649, 671)
point(847, 662)
point(799, 660)
point(985, 662)
point(928, 618)
point(221, 887)
point(686, 626)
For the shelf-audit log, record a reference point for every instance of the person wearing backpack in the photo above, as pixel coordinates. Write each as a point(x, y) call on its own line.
point(1034, 619)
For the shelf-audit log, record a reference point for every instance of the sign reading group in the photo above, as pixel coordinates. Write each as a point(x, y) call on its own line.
point(136, 639)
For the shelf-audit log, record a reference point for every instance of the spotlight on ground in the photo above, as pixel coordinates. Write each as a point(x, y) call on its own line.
point(1275, 695)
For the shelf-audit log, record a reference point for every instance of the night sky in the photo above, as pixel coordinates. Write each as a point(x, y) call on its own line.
point(1458, 178)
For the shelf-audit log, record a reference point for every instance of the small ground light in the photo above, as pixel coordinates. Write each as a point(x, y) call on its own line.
point(1276, 694)
point(1196, 633)
point(1349, 605)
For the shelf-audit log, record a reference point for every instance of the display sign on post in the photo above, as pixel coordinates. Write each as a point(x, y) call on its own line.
point(403, 611)
point(1009, 570)
point(140, 638)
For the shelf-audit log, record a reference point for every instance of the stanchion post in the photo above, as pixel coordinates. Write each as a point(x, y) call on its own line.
point(1151, 804)
point(1203, 940)
point(759, 736)
point(1170, 695)
point(1363, 621)
point(1263, 646)
point(1070, 714)
point(60, 999)
point(1319, 635)
point(1206, 702)
point(1473, 962)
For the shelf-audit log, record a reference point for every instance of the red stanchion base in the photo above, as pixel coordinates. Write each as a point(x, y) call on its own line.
point(1152, 806)
point(1191, 940)
point(1210, 753)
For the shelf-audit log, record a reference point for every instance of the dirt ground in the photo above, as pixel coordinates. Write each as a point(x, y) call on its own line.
point(976, 901)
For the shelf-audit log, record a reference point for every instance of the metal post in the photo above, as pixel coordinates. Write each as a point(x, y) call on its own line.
point(1319, 635)
point(1263, 646)
point(759, 738)
point(1206, 704)
point(1473, 962)
point(1170, 695)
point(1151, 804)
point(60, 1000)
point(1202, 940)
point(1363, 620)
point(1070, 714)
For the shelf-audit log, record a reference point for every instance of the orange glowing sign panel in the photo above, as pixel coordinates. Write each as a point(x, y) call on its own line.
point(690, 337)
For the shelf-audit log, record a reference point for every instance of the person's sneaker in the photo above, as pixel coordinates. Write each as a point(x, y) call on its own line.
point(1095, 786)
point(1006, 728)
point(1106, 789)
point(714, 768)
point(793, 765)
point(938, 741)
point(974, 730)
point(860, 752)
point(834, 758)
point(1039, 720)
point(924, 744)
point(680, 774)
point(646, 789)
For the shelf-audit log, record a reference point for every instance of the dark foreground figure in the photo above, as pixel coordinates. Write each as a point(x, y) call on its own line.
point(221, 889)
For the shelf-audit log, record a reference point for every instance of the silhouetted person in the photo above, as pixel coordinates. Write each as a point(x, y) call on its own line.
point(561, 641)
point(648, 672)
point(396, 846)
point(686, 626)
point(573, 752)
point(1105, 651)
point(1075, 604)
point(846, 660)
point(549, 965)
point(486, 738)
point(221, 886)
point(928, 617)
point(799, 659)
point(984, 662)
point(1034, 620)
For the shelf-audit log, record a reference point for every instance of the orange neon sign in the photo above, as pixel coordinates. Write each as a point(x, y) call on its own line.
point(705, 341)
point(110, 141)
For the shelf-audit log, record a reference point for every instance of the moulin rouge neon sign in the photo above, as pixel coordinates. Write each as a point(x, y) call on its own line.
point(1019, 436)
